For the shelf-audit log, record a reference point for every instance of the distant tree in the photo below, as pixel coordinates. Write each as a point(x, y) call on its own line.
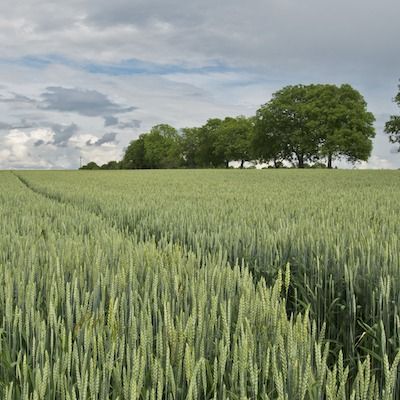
point(191, 147)
point(111, 165)
point(159, 148)
point(162, 147)
point(208, 154)
point(307, 122)
point(340, 119)
point(233, 140)
point(90, 165)
point(199, 145)
point(392, 127)
point(134, 157)
point(268, 143)
point(283, 124)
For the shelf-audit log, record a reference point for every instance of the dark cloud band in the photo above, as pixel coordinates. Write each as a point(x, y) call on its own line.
point(90, 103)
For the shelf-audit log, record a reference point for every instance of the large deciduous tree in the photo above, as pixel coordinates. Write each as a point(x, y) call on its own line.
point(309, 122)
point(199, 145)
point(134, 157)
point(342, 123)
point(207, 150)
point(162, 147)
point(233, 140)
point(283, 129)
point(392, 127)
point(191, 140)
point(159, 148)
point(268, 143)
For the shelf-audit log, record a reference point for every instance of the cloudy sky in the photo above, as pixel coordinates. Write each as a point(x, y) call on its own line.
point(82, 78)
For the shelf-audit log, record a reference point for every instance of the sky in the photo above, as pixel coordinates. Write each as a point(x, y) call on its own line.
point(80, 79)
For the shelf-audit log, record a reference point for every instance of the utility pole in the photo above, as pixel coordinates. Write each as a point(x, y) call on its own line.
point(80, 162)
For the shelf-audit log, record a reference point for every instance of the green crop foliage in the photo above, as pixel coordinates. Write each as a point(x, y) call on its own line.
point(200, 285)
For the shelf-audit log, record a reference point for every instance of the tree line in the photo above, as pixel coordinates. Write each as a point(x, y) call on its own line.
point(301, 125)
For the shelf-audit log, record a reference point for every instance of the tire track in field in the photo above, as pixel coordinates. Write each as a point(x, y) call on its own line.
point(125, 229)
point(221, 253)
point(60, 200)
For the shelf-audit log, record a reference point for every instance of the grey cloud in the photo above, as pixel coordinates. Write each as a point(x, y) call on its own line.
point(106, 138)
point(39, 143)
point(110, 120)
point(134, 123)
point(23, 124)
point(114, 121)
point(62, 133)
point(271, 35)
point(130, 13)
point(5, 126)
point(17, 99)
point(89, 103)
point(17, 102)
point(267, 33)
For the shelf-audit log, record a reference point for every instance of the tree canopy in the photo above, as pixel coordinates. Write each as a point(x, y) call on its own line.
point(90, 165)
point(307, 123)
point(392, 127)
point(159, 148)
point(234, 139)
point(345, 127)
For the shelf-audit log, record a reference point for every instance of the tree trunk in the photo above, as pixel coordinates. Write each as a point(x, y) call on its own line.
point(276, 164)
point(300, 158)
point(226, 163)
point(330, 161)
point(242, 164)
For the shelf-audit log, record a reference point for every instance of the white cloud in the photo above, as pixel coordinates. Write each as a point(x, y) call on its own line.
point(100, 154)
point(18, 149)
point(376, 162)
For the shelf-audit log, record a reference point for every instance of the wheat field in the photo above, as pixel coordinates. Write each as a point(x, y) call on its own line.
point(206, 284)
